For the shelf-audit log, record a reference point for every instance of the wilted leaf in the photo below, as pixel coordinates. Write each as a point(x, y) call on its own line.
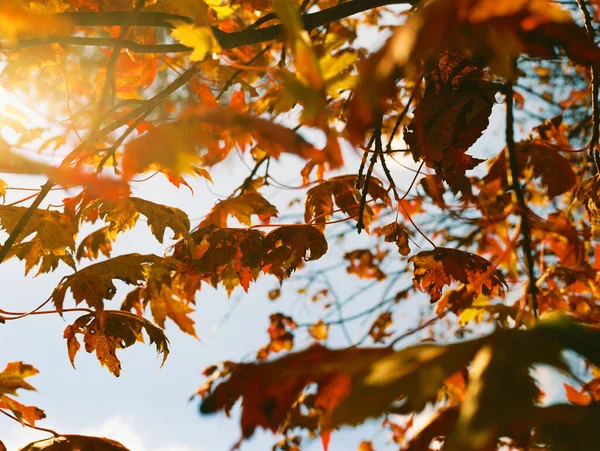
point(290, 246)
point(434, 269)
point(110, 330)
point(94, 283)
point(13, 378)
point(395, 233)
point(341, 191)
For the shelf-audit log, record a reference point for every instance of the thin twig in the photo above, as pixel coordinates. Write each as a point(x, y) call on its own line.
point(11, 416)
point(513, 180)
point(239, 71)
point(589, 28)
point(360, 225)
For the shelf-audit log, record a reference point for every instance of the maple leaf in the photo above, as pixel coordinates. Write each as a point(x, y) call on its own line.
point(281, 339)
point(200, 38)
point(122, 214)
point(364, 264)
point(452, 115)
point(544, 161)
point(341, 191)
point(378, 330)
point(110, 330)
point(356, 383)
point(290, 246)
point(12, 378)
point(53, 240)
point(95, 243)
point(268, 394)
point(434, 269)
point(230, 256)
point(169, 296)
point(395, 233)
point(94, 283)
point(196, 131)
point(241, 208)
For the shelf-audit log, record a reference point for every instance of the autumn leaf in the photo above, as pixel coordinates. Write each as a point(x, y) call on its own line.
point(94, 283)
point(64, 442)
point(437, 268)
point(289, 247)
point(195, 131)
point(341, 191)
point(542, 160)
point(395, 233)
point(319, 331)
point(52, 241)
point(265, 383)
point(96, 243)
point(199, 38)
point(364, 264)
point(106, 332)
point(122, 214)
point(169, 296)
point(499, 34)
point(12, 378)
point(241, 207)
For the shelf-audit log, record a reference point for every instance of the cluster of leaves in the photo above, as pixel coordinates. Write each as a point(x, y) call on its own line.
point(176, 87)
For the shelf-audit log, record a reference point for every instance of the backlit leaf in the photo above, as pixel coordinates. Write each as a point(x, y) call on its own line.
point(109, 331)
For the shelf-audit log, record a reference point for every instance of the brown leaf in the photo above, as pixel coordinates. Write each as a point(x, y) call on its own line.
point(394, 232)
point(242, 208)
point(341, 191)
point(111, 330)
point(434, 269)
point(290, 246)
point(75, 442)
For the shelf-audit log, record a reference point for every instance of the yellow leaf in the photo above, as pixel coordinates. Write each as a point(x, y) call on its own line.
point(200, 38)
point(3, 186)
point(319, 331)
point(475, 312)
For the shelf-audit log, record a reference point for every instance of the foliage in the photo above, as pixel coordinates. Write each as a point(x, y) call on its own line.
point(505, 252)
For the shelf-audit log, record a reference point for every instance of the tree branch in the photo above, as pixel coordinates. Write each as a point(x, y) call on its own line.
point(132, 46)
point(249, 36)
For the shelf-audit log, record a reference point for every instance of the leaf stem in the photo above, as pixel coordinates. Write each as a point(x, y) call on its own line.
point(12, 417)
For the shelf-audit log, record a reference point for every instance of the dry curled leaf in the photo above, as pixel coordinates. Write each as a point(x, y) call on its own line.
point(437, 268)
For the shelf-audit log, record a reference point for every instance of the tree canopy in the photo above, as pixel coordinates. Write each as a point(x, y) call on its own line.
point(469, 269)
